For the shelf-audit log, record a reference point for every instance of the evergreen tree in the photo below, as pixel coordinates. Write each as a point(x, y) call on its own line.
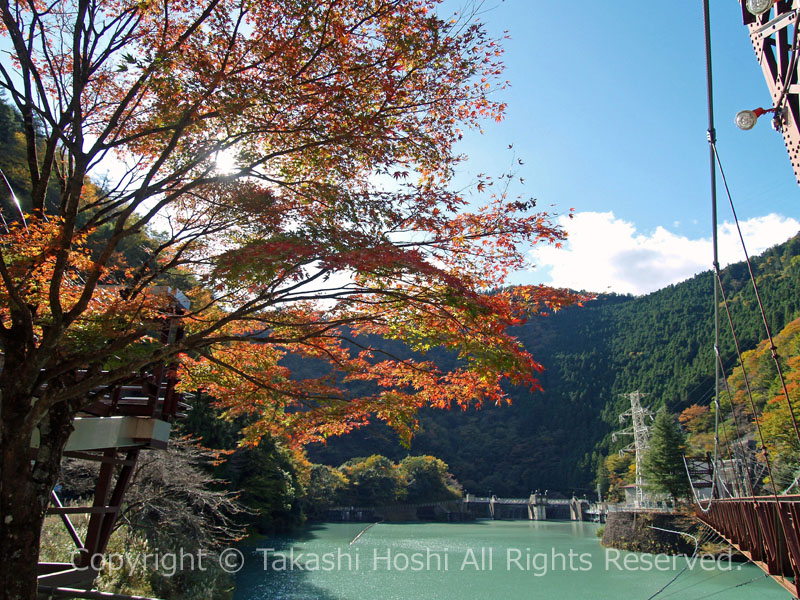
point(270, 477)
point(663, 465)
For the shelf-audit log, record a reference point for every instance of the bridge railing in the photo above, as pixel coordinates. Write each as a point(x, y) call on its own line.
point(639, 509)
point(551, 501)
point(762, 529)
point(443, 503)
point(150, 394)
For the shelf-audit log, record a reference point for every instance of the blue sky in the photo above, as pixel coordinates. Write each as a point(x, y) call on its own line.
point(607, 109)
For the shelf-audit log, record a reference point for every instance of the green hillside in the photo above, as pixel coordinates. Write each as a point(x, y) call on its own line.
point(660, 344)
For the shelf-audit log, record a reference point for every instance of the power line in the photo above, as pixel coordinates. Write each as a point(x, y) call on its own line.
point(682, 571)
point(738, 585)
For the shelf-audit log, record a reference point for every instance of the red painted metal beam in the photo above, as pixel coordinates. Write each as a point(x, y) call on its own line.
point(772, 35)
point(765, 531)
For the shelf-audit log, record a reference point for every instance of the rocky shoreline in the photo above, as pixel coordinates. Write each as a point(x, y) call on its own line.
point(642, 532)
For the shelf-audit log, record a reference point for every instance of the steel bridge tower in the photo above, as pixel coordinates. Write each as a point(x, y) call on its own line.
point(774, 35)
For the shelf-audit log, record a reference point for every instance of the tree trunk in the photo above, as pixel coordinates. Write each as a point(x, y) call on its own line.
point(25, 486)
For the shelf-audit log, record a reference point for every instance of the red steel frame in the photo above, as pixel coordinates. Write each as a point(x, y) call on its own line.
point(772, 35)
point(764, 530)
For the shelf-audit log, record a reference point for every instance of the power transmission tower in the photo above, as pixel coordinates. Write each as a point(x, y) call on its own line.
point(641, 438)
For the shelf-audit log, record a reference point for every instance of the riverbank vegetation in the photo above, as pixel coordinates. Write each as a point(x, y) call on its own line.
point(175, 507)
point(282, 488)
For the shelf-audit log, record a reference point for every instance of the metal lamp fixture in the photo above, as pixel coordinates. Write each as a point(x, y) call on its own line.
point(746, 119)
point(758, 7)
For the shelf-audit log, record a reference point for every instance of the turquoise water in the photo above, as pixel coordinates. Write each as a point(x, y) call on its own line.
point(506, 560)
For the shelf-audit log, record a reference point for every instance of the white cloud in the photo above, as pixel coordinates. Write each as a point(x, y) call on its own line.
point(604, 253)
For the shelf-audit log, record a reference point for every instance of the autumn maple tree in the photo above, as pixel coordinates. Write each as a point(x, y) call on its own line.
point(289, 160)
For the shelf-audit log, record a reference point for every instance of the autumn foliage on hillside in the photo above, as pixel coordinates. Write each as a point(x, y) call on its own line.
point(285, 163)
point(768, 394)
point(757, 384)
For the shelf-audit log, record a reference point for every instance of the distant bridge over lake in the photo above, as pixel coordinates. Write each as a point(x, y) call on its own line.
point(536, 507)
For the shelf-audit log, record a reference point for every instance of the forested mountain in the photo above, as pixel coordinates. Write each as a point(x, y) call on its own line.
point(660, 344)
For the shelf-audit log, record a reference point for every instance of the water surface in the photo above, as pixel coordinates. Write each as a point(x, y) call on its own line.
point(507, 560)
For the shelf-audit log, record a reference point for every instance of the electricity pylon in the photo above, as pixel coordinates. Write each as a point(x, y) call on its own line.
point(641, 438)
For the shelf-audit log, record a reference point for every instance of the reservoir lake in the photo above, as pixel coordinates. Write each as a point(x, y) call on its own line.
point(507, 560)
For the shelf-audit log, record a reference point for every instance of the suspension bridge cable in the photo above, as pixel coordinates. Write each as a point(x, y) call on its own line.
point(738, 434)
point(712, 138)
point(738, 349)
point(705, 537)
point(714, 161)
point(772, 347)
point(753, 411)
point(744, 371)
point(700, 399)
point(707, 534)
point(725, 436)
point(710, 533)
point(733, 407)
point(794, 483)
point(733, 411)
point(696, 583)
point(731, 453)
point(682, 571)
point(697, 500)
point(738, 585)
point(728, 446)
